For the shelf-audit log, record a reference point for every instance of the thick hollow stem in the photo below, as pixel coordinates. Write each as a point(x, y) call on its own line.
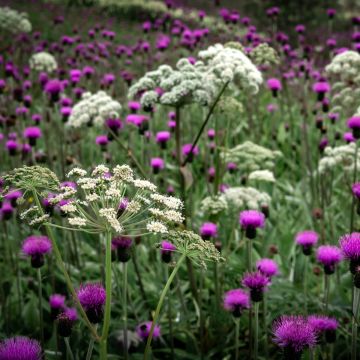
point(208, 116)
point(159, 305)
point(107, 312)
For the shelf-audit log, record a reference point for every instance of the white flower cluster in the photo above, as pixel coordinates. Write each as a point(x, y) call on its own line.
point(181, 86)
point(262, 175)
point(200, 82)
point(344, 70)
point(94, 109)
point(246, 197)
point(338, 156)
point(117, 202)
point(43, 61)
point(14, 21)
point(213, 205)
point(251, 157)
point(264, 55)
point(345, 65)
point(232, 65)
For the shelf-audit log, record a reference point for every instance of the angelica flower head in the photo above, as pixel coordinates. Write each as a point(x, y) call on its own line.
point(43, 62)
point(94, 109)
point(13, 21)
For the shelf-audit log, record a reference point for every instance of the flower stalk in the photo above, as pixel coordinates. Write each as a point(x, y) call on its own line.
point(159, 305)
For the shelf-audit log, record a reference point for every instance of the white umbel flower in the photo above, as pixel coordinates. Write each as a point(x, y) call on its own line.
point(338, 156)
point(232, 65)
point(43, 61)
point(14, 21)
point(262, 175)
point(94, 109)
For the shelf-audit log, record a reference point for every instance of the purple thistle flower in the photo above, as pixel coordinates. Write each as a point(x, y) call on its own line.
point(36, 246)
point(167, 249)
point(354, 124)
point(211, 134)
point(12, 147)
point(232, 167)
point(92, 298)
point(307, 239)
point(157, 164)
point(122, 245)
point(20, 348)
point(57, 304)
point(65, 321)
point(208, 230)
point(236, 301)
point(250, 220)
point(65, 111)
point(162, 137)
point(114, 125)
point(13, 196)
point(32, 133)
point(324, 325)
point(329, 256)
point(36, 118)
point(143, 330)
point(102, 141)
point(321, 88)
point(186, 149)
point(356, 190)
point(257, 283)
point(134, 106)
point(6, 211)
point(293, 334)
point(267, 267)
point(53, 88)
point(274, 85)
point(349, 137)
point(57, 301)
point(331, 13)
point(350, 247)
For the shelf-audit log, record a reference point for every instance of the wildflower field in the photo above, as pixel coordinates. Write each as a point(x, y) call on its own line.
point(179, 179)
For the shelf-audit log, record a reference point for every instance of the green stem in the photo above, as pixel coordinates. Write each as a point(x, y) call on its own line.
point(305, 282)
point(171, 332)
point(68, 349)
point(354, 181)
point(40, 307)
point(159, 305)
point(90, 349)
point(266, 345)
point(237, 333)
point(326, 291)
point(256, 331)
point(208, 116)
point(62, 267)
point(354, 323)
point(125, 310)
point(249, 254)
point(107, 312)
